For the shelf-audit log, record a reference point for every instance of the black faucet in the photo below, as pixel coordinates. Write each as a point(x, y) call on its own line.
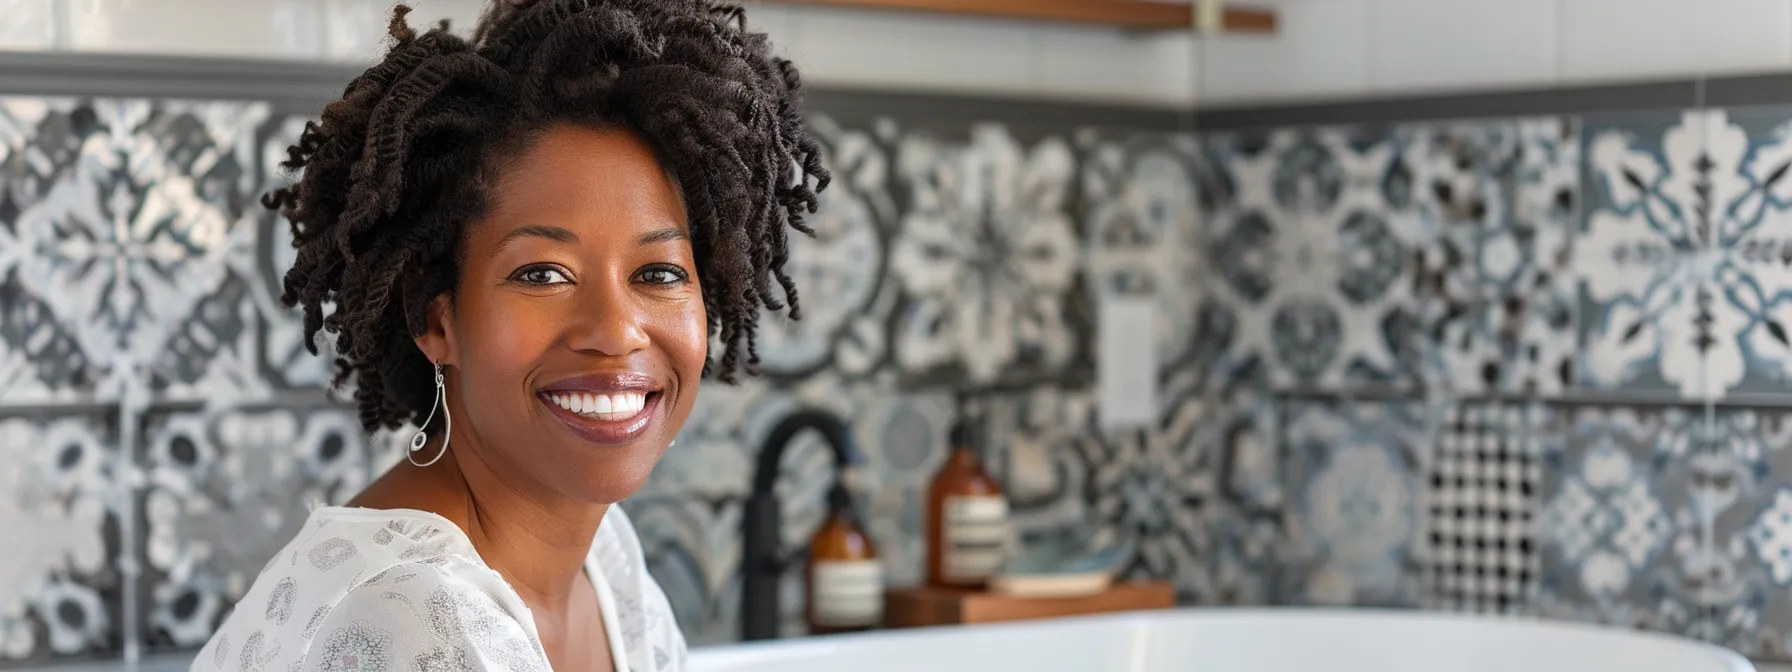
point(762, 563)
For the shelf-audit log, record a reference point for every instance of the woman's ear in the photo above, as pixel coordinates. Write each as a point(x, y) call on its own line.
point(437, 339)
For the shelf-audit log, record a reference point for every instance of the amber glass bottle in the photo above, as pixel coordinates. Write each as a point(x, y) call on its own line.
point(967, 518)
point(846, 579)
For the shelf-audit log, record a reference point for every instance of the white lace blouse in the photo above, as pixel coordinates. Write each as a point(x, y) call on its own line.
point(366, 589)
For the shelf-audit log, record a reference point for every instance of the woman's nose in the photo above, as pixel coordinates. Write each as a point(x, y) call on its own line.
point(608, 320)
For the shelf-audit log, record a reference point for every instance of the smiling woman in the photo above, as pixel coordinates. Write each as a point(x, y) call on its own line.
point(522, 243)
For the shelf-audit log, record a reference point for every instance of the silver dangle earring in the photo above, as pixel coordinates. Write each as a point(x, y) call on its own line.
point(422, 436)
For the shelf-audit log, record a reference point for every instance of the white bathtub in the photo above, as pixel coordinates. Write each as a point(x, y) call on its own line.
point(1224, 640)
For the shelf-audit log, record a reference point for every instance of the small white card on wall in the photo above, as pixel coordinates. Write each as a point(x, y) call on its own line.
point(1126, 362)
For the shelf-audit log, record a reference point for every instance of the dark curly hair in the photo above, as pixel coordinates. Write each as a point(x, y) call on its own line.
point(396, 168)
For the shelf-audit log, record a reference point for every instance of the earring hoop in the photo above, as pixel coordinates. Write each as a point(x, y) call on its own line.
point(422, 435)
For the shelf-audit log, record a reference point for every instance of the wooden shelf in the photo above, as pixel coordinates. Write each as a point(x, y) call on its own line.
point(925, 607)
point(1131, 14)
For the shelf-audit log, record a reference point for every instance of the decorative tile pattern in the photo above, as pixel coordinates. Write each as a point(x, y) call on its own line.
point(41, 358)
point(1671, 519)
point(988, 259)
point(122, 233)
point(692, 546)
point(222, 493)
point(61, 492)
point(1199, 492)
point(1683, 254)
point(1497, 203)
point(1154, 487)
point(1754, 231)
point(844, 316)
point(1480, 546)
point(1451, 259)
point(1140, 204)
point(1308, 260)
point(1357, 477)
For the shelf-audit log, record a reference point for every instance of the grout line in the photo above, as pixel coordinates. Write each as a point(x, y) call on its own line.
point(1370, 86)
point(130, 573)
point(62, 28)
point(1561, 54)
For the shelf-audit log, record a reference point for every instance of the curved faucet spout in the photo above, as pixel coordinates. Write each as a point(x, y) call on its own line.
point(762, 564)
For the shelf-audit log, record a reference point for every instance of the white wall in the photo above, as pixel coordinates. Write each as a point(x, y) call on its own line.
point(834, 46)
point(1326, 49)
point(1361, 48)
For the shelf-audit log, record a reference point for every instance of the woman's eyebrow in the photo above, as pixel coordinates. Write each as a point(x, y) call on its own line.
point(661, 236)
point(553, 233)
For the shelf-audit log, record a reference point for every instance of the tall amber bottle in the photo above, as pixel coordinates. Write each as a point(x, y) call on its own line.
point(846, 578)
point(967, 517)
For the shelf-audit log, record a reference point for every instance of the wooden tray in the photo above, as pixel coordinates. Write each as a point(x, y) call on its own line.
point(922, 607)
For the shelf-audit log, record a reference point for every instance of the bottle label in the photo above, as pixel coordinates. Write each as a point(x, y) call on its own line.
point(975, 539)
point(847, 593)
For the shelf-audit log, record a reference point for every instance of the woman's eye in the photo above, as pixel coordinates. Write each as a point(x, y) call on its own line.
point(661, 275)
point(540, 275)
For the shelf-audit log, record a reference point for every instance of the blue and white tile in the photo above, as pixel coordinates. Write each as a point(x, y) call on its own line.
point(692, 547)
point(221, 492)
point(1307, 262)
point(1196, 491)
point(1246, 517)
point(989, 260)
point(1139, 202)
point(42, 358)
point(1536, 312)
point(1480, 540)
point(1682, 254)
point(287, 361)
point(1154, 487)
point(1671, 520)
point(1495, 204)
point(132, 232)
point(62, 495)
point(1356, 474)
point(845, 293)
point(1752, 244)
point(1036, 440)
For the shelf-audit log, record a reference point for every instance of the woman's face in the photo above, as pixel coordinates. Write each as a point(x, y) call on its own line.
point(577, 335)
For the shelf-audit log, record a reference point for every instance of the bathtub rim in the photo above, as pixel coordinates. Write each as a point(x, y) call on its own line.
point(1133, 623)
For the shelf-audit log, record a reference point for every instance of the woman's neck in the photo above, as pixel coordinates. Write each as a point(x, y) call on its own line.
point(537, 541)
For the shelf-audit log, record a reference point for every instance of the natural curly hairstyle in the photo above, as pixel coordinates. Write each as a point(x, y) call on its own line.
point(394, 171)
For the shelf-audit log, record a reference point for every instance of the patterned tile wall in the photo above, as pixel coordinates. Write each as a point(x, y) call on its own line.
point(1524, 366)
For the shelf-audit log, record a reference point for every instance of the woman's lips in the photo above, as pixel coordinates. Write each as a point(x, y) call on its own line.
point(605, 419)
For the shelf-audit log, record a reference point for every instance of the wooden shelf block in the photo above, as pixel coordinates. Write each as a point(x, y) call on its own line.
point(925, 607)
point(1131, 14)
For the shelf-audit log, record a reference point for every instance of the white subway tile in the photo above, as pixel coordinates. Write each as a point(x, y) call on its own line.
point(1320, 50)
point(240, 28)
point(1445, 45)
point(27, 25)
point(777, 22)
point(1113, 65)
point(1640, 39)
point(913, 51)
point(355, 30)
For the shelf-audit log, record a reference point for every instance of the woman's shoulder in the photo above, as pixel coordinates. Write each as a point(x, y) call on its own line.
point(355, 574)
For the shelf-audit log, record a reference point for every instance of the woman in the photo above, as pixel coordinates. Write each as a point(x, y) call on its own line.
point(523, 244)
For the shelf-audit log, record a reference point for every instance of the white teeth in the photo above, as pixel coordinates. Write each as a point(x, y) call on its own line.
point(620, 406)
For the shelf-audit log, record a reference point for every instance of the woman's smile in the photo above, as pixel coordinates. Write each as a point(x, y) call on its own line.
point(606, 409)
